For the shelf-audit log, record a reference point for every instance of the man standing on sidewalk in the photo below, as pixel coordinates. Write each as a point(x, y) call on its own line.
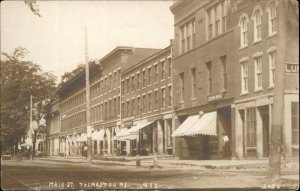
point(85, 150)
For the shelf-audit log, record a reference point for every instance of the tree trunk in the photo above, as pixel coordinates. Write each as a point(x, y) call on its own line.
point(33, 146)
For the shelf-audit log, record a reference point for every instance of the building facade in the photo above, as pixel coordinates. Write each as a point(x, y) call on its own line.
point(105, 102)
point(225, 56)
point(53, 129)
point(147, 106)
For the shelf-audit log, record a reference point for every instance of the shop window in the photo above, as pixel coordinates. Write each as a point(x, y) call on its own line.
point(251, 128)
point(295, 124)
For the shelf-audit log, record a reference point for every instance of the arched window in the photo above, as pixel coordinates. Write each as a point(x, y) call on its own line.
point(244, 30)
point(272, 10)
point(257, 24)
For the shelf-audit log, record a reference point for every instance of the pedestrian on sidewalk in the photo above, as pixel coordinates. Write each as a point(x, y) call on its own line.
point(226, 146)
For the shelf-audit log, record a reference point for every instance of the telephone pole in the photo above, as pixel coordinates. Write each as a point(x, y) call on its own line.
point(278, 101)
point(87, 90)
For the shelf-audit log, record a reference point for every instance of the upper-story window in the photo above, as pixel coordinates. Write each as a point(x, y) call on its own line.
point(163, 95)
point(144, 78)
point(163, 69)
point(170, 67)
point(150, 75)
point(216, 20)
point(193, 82)
point(133, 84)
point(244, 30)
point(257, 24)
point(187, 36)
point(272, 11)
point(156, 72)
point(224, 71)
point(181, 77)
point(209, 77)
point(258, 73)
point(244, 71)
point(272, 65)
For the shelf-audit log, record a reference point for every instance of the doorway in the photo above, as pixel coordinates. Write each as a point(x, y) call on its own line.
point(264, 112)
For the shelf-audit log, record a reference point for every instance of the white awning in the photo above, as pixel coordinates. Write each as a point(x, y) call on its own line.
point(121, 135)
point(135, 129)
point(82, 138)
point(206, 125)
point(98, 135)
point(180, 131)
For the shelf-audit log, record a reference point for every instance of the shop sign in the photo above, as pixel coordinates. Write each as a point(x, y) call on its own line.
point(291, 68)
point(215, 97)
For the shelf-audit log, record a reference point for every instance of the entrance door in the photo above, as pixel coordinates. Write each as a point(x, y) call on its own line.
point(264, 111)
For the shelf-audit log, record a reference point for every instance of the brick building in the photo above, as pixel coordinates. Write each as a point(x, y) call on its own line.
point(53, 128)
point(224, 62)
point(147, 106)
point(105, 102)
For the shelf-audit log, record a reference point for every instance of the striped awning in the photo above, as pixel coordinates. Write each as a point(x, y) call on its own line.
point(180, 131)
point(206, 125)
point(135, 129)
point(193, 125)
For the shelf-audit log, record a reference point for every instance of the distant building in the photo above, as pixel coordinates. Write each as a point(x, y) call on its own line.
point(146, 98)
point(105, 102)
point(224, 61)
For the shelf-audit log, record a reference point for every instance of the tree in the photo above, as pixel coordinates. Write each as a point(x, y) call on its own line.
point(33, 7)
point(19, 80)
point(69, 75)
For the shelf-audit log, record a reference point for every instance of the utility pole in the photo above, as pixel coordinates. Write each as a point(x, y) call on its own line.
point(87, 90)
point(30, 125)
point(278, 101)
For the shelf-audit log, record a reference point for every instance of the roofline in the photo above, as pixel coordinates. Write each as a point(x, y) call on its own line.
point(177, 3)
point(160, 51)
point(74, 78)
point(114, 51)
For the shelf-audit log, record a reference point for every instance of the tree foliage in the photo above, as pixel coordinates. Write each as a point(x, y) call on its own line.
point(19, 80)
point(69, 75)
point(33, 6)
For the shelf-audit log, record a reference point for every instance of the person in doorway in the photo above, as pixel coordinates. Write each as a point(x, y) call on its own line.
point(226, 147)
point(85, 150)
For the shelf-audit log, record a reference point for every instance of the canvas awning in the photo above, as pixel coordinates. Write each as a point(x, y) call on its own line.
point(185, 126)
point(193, 125)
point(121, 135)
point(206, 125)
point(98, 135)
point(135, 129)
point(82, 138)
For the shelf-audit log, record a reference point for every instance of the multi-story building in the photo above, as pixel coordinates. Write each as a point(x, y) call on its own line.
point(147, 106)
point(225, 55)
point(53, 128)
point(257, 27)
point(105, 102)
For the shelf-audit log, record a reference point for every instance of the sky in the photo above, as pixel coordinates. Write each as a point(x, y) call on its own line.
point(56, 40)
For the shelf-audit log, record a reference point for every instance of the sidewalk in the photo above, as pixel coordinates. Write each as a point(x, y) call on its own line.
point(167, 161)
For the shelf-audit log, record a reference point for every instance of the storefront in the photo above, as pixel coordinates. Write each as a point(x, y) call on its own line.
point(204, 136)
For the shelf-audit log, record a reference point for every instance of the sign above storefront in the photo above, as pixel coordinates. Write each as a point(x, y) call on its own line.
point(291, 68)
point(215, 97)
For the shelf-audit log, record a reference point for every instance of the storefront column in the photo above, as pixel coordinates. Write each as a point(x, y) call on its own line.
point(259, 134)
point(98, 147)
point(232, 141)
point(220, 132)
point(108, 133)
point(176, 141)
point(160, 137)
point(238, 135)
point(287, 127)
point(128, 147)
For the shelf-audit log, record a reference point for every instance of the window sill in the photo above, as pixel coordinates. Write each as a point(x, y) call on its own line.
point(258, 90)
point(224, 91)
point(162, 80)
point(257, 41)
point(243, 47)
point(271, 87)
point(169, 77)
point(272, 35)
point(244, 93)
point(193, 99)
